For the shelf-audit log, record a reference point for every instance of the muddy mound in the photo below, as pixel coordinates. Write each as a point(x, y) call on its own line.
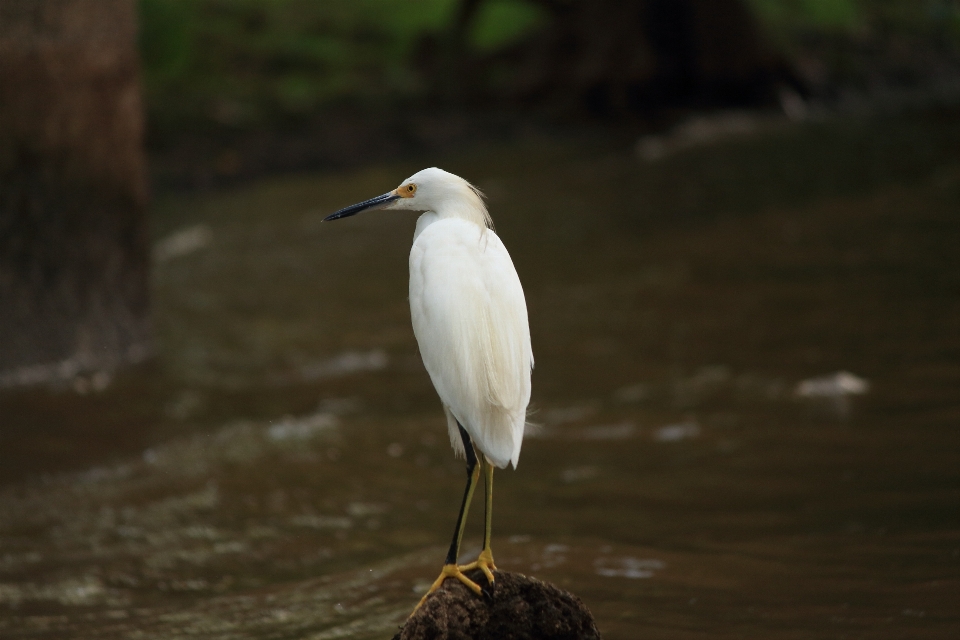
point(519, 607)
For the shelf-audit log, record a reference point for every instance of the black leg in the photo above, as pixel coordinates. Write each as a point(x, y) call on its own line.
point(472, 475)
point(450, 568)
point(487, 502)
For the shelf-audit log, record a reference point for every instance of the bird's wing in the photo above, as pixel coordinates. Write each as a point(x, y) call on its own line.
point(470, 319)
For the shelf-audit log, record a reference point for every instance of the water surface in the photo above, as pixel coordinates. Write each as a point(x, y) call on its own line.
point(281, 470)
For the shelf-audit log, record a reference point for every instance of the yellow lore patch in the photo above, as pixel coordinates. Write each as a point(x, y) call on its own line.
point(406, 190)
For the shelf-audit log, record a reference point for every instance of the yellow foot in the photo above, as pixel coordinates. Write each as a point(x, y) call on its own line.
point(485, 564)
point(450, 571)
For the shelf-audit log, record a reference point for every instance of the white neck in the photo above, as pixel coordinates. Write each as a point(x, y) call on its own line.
point(463, 202)
point(424, 221)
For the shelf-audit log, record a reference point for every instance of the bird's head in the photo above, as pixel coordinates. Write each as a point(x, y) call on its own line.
point(428, 190)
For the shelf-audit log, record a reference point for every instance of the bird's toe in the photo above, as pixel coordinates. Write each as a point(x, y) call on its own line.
point(489, 589)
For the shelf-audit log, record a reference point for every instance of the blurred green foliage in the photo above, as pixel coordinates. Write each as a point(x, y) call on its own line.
point(502, 22)
point(263, 63)
point(247, 63)
point(822, 14)
point(919, 18)
point(243, 62)
point(863, 44)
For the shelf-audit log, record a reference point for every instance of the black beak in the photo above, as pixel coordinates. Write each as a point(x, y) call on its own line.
point(372, 203)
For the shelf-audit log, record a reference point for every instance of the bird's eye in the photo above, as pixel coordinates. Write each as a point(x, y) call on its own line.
point(411, 188)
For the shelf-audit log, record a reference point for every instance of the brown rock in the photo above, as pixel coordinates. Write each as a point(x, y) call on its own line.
point(520, 608)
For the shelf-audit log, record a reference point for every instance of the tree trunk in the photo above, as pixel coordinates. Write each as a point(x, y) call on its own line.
point(73, 238)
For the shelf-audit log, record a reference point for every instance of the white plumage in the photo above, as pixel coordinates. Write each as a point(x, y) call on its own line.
point(470, 320)
point(469, 316)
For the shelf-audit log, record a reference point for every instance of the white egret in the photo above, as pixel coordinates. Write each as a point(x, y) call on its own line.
point(470, 320)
